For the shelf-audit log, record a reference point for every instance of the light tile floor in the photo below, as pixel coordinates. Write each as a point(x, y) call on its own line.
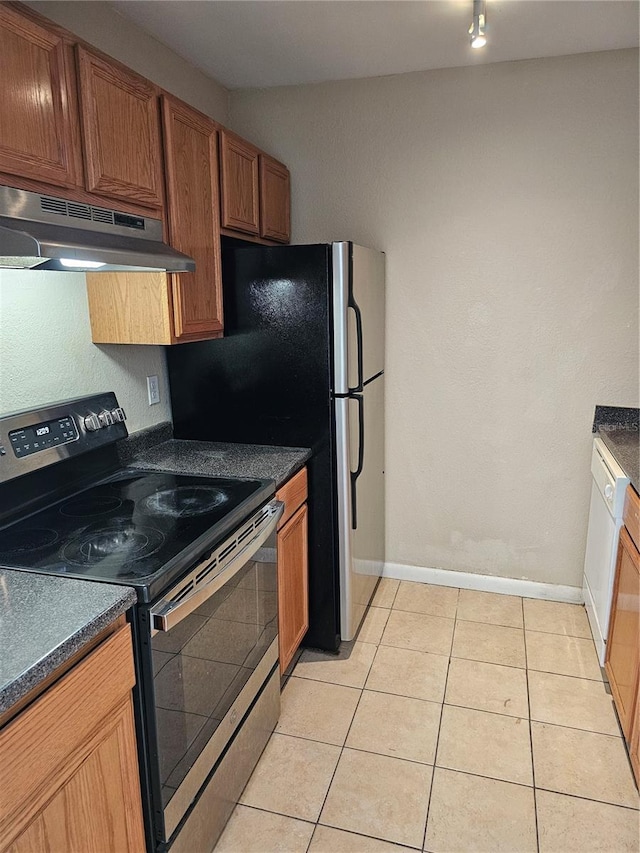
point(457, 721)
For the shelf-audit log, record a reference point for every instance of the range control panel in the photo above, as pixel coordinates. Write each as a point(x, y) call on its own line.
point(40, 436)
point(34, 439)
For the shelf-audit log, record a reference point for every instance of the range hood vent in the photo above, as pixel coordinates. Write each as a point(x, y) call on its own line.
point(48, 233)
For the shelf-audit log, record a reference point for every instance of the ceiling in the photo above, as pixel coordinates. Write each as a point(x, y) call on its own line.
point(243, 43)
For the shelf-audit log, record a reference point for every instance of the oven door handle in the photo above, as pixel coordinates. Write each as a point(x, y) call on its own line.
point(165, 615)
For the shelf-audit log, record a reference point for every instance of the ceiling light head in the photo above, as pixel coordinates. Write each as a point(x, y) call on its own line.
point(477, 28)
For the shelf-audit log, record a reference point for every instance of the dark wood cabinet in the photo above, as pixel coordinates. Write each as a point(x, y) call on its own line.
point(239, 175)
point(121, 131)
point(39, 132)
point(191, 156)
point(293, 568)
point(275, 200)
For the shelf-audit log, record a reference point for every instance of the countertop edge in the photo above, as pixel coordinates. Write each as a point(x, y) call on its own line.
point(630, 468)
point(226, 459)
point(20, 686)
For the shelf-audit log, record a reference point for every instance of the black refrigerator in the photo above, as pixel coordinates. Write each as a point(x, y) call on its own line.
point(302, 365)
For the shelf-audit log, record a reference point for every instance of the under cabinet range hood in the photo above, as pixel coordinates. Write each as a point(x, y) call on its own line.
point(42, 232)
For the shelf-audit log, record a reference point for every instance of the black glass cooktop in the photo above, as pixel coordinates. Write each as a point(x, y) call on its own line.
point(140, 528)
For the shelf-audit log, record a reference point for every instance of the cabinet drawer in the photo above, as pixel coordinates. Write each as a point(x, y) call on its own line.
point(42, 748)
point(631, 515)
point(293, 494)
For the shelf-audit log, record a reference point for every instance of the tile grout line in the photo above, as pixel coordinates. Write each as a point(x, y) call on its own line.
point(520, 716)
point(437, 743)
point(378, 644)
point(342, 749)
point(533, 767)
point(451, 770)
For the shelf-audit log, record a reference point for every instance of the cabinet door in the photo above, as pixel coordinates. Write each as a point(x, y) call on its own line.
point(634, 744)
point(623, 652)
point(240, 185)
point(191, 158)
point(293, 588)
point(275, 200)
point(39, 139)
point(99, 807)
point(68, 762)
point(121, 132)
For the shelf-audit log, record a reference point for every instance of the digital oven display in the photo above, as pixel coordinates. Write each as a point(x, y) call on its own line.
point(33, 439)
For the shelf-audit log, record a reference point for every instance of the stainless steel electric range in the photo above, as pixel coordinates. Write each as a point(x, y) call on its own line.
point(201, 554)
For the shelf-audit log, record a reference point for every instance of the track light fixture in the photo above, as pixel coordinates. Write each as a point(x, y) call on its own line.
point(477, 28)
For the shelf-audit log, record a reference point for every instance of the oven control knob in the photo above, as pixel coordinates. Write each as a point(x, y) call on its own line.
point(92, 423)
point(118, 415)
point(105, 418)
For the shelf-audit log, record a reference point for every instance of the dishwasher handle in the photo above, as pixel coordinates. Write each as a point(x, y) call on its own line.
point(167, 613)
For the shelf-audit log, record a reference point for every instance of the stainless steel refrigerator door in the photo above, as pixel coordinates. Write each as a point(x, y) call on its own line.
point(358, 315)
point(360, 501)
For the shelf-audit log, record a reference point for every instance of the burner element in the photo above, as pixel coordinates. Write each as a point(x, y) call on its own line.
point(85, 506)
point(184, 501)
point(22, 541)
point(125, 541)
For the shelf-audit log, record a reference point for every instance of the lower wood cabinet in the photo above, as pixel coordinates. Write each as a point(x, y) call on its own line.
point(68, 762)
point(623, 643)
point(293, 568)
point(634, 744)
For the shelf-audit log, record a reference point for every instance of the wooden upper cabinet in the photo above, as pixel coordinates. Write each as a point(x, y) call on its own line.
point(191, 157)
point(121, 132)
point(275, 200)
point(156, 308)
point(39, 133)
point(240, 184)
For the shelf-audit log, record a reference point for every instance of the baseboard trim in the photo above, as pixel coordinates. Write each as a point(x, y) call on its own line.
point(486, 583)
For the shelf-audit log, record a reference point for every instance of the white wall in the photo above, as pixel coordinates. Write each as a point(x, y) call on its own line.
point(101, 25)
point(46, 353)
point(506, 199)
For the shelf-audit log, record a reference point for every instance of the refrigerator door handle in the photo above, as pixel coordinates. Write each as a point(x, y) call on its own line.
point(358, 315)
point(355, 474)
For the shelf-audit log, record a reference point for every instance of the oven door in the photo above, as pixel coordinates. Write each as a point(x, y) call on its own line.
point(213, 643)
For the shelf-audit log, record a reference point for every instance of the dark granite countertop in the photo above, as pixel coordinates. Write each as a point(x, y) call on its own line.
point(221, 459)
point(44, 620)
point(624, 445)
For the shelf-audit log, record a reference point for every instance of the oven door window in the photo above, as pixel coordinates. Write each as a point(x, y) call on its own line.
point(202, 664)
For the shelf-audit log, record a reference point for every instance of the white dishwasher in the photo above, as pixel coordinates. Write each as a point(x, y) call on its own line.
point(608, 486)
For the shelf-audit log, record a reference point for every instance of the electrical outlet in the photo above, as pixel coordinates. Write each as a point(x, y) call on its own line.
point(153, 390)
